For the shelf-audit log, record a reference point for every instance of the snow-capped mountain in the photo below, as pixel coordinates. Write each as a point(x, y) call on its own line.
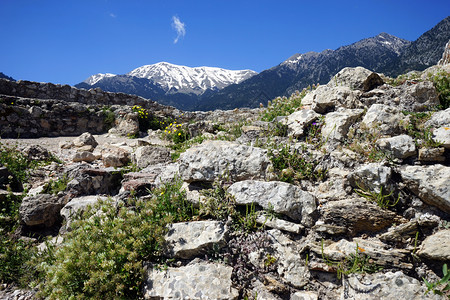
point(181, 79)
point(97, 77)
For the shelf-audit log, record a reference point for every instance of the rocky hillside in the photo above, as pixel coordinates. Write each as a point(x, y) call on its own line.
point(339, 192)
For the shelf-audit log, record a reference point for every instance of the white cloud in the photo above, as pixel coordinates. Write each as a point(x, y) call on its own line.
point(179, 28)
point(112, 15)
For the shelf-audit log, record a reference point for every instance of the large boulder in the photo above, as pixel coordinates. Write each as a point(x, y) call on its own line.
point(282, 197)
point(150, 155)
point(429, 183)
point(42, 209)
point(127, 124)
point(86, 139)
point(115, 156)
point(214, 159)
point(326, 98)
point(77, 206)
point(200, 280)
point(353, 78)
point(439, 119)
point(354, 216)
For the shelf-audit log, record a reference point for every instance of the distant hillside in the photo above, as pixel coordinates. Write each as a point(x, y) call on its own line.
point(2, 75)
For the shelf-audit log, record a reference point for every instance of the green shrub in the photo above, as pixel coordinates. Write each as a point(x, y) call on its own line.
point(14, 255)
point(109, 117)
point(56, 186)
point(148, 121)
point(293, 165)
point(441, 82)
point(102, 257)
point(16, 162)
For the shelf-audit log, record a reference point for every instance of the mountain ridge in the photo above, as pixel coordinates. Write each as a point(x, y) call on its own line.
point(383, 53)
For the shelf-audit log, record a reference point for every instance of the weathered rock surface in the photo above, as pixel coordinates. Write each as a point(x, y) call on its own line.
point(190, 239)
point(354, 216)
point(383, 118)
point(373, 177)
point(353, 78)
point(86, 139)
point(84, 156)
point(150, 155)
point(115, 157)
point(401, 146)
point(298, 121)
point(430, 183)
point(289, 264)
point(214, 159)
point(196, 281)
point(384, 286)
point(436, 246)
point(439, 119)
point(337, 123)
point(282, 197)
point(442, 135)
point(42, 209)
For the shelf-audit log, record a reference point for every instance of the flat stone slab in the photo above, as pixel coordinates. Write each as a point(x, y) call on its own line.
point(213, 159)
point(379, 286)
point(197, 281)
point(282, 197)
point(189, 239)
point(430, 183)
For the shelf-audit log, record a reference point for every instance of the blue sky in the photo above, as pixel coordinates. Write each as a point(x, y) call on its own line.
point(65, 41)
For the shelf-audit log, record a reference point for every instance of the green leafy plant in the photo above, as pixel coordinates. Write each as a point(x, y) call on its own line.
point(383, 200)
point(56, 186)
point(269, 260)
point(109, 118)
point(363, 142)
point(415, 127)
point(149, 121)
point(441, 287)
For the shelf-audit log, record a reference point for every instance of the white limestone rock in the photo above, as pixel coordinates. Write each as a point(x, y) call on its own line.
point(195, 281)
point(282, 197)
point(190, 239)
point(213, 159)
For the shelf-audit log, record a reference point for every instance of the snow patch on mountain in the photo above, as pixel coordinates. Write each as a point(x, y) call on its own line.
point(97, 77)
